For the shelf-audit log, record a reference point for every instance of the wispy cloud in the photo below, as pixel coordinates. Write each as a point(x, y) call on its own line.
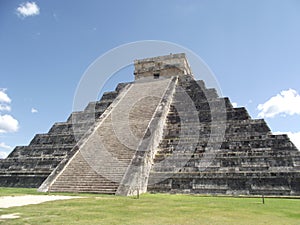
point(4, 148)
point(33, 110)
point(28, 9)
point(55, 16)
point(294, 136)
point(3, 96)
point(4, 107)
point(3, 155)
point(287, 102)
point(4, 101)
point(186, 8)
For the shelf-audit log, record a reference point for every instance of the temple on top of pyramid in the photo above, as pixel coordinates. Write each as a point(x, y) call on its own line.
point(162, 66)
point(164, 132)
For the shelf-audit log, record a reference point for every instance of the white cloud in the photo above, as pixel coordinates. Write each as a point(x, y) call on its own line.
point(294, 137)
point(285, 103)
point(33, 110)
point(234, 104)
point(28, 9)
point(4, 97)
point(3, 155)
point(8, 124)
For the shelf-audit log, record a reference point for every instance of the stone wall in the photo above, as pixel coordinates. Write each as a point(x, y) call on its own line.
point(250, 160)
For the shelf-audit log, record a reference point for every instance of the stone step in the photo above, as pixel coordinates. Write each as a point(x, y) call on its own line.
point(70, 128)
point(231, 145)
point(221, 154)
point(77, 174)
point(98, 106)
point(111, 95)
point(88, 185)
point(41, 139)
point(23, 173)
point(86, 190)
point(206, 116)
point(224, 175)
point(105, 156)
point(39, 151)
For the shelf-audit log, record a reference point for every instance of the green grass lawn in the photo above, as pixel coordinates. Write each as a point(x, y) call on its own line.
point(154, 209)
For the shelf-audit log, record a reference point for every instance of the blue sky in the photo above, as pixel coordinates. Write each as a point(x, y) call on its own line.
point(252, 47)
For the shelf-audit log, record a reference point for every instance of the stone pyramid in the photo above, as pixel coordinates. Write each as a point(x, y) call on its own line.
point(164, 132)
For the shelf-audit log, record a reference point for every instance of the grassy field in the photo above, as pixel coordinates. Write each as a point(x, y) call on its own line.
point(154, 209)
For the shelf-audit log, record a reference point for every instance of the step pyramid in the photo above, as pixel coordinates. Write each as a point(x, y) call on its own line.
point(164, 132)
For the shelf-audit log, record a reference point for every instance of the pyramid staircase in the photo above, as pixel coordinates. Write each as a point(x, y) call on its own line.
point(105, 154)
point(165, 132)
point(29, 166)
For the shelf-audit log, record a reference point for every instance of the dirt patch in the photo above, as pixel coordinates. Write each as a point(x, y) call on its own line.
point(10, 216)
point(12, 201)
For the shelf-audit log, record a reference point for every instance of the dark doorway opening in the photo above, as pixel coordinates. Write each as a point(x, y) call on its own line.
point(156, 75)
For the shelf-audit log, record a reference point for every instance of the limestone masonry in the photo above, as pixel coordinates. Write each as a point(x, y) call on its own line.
point(164, 132)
